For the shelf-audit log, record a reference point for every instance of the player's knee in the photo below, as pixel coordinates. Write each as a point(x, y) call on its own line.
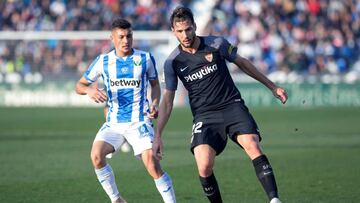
point(96, 160)
point(205, 170)
point(252, 148)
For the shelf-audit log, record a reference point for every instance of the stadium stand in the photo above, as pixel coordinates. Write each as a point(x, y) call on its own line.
point(285, 39)
point(59, 58)
point(40, 15)
point(312, 37)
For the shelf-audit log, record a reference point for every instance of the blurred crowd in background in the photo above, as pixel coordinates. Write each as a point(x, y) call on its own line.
point(58, 58)
point(304, 36)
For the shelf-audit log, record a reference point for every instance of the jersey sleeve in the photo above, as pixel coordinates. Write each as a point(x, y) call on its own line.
point(151, 70)
point(227, 50)
point(170, 77)
point(94, 70)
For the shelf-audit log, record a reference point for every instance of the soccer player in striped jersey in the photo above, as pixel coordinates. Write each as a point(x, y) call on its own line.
point(126, 73)
point(125, 146)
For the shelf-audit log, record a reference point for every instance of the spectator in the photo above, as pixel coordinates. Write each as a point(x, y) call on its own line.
point(323, 33)
point(303, 37)
point(64, 58)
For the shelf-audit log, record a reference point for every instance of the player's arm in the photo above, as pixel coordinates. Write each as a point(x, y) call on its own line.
point(83, 87)
point(155, 98)
point(248, 68)
point(166, 107)
point(106, 110)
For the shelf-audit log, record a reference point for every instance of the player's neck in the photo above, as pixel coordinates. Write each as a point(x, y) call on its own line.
point(122, 54)
point(194, 47)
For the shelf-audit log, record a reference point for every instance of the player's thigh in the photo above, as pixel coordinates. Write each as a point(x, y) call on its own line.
point(239, 121)
point(101, 148)
point(209, 130)
point(107, 140)
point(204, 156)
point(140, 136)
point(250, 143)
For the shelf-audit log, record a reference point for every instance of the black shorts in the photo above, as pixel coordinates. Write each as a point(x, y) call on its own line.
point(214, 127)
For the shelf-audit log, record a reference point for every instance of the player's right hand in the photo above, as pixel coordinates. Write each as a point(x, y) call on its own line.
point(96, 95)
point(157, 147)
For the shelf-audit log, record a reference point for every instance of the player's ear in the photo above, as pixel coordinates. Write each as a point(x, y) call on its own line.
point(111, 37)
point(195, 27)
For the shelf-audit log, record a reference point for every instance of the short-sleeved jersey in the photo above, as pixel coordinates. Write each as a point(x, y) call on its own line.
point(204, 74)
point(125, 81)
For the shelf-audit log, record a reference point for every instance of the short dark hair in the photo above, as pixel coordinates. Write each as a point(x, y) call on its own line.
point(121, 24)
point(180, 14)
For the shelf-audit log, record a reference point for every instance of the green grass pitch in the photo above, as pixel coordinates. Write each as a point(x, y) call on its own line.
point(315, 152)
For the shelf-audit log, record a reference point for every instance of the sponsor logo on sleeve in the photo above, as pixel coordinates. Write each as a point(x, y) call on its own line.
point(230, 49)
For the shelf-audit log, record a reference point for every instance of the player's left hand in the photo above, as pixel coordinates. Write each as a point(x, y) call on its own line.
point(281, 94)
point(154, 111)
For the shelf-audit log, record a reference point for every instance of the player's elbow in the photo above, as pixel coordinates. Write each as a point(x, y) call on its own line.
point(79, 89)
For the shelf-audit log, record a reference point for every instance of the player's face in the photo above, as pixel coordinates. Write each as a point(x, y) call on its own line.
point(122, 40)
point(185, 33)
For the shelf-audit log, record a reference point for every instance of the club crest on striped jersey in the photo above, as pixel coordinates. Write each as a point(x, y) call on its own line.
point(209, 57)
point(137, 60)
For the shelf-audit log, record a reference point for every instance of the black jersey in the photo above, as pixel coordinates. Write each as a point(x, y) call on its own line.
point(204, 74)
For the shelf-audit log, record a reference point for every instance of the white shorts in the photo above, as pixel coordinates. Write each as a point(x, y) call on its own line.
point(140, 136)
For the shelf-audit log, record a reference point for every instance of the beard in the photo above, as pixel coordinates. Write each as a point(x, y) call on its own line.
point(189, 45)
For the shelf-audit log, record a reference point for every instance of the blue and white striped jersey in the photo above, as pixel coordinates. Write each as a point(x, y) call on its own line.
point(125, 80)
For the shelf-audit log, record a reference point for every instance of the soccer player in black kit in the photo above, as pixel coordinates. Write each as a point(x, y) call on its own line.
point(216, 104)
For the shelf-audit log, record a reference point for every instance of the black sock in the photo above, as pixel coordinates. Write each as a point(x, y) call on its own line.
point(211, 188)
point(266, 176)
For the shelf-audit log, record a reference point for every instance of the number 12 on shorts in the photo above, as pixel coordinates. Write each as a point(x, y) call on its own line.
point(197, 128)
